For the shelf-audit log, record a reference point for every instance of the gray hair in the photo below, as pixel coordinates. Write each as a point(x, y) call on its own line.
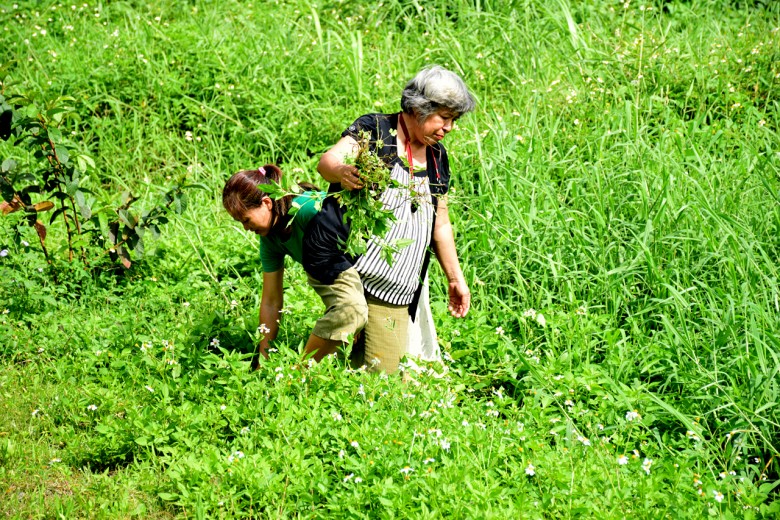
point(434, 88)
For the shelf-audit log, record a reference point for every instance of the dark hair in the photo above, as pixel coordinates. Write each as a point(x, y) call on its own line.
point(241, 193)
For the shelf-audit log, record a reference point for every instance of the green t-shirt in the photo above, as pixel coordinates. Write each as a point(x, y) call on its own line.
point(273, 248)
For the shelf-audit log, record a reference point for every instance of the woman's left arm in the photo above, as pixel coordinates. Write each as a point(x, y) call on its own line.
point(444, 247)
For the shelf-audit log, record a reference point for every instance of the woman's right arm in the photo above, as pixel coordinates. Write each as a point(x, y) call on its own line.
point(271, 304)
point(333, 167)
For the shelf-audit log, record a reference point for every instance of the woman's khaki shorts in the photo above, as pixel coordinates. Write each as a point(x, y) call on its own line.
point(346, 311)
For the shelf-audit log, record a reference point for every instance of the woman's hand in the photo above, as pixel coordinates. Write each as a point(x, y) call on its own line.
point(333, 167)
point(271, 303)
point(349, 177)
point(460, 298)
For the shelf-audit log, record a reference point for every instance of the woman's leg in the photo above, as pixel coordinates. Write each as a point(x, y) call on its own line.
point(345, 314)
point(385, 334)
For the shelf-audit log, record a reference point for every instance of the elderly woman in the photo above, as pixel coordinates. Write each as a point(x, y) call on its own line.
point(430, 103)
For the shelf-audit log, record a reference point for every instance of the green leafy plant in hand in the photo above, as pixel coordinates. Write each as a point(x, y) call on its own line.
point(369, 218)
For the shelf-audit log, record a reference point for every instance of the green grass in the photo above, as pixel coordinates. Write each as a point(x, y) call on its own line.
point(620, 176)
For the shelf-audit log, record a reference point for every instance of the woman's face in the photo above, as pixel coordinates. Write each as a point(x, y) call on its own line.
point(436, 126)
point(258, 220)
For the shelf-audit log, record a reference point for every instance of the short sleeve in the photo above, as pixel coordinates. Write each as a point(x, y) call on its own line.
point(271, 257)
point(366, 123)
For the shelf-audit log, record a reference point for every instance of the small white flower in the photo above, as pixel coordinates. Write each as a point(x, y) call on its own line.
point(428, 461)
point(25, 243)
point(584, 440)
point(55, 461)
point(262, 329)
point(337, 416)
point(456, 332)
point(342, 454)
point(149, 388)
point(622, 460)
point(214, 342)
point(358, 480)
point(361, 390)
point(406, 470)
point(244, 430)
point(222, 407)
point(718, 496)
point(354, 444)
point(500, 331)
point(632, 415)
point(530, 470)
point(646, 465)
point(185, 304)
point(92, 407)
point(465, 422)
point(349, 477)
point(541, 320)
point(4, 253)
point(530, 313)
point(35, 412)
point(445, 444)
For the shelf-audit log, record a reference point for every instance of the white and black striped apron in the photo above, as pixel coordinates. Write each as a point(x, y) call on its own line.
point(414, 214)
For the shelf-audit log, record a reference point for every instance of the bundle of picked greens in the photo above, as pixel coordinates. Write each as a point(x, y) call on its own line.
point(363, 208)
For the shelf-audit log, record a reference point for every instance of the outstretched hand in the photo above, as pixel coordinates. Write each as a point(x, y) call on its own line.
point(460, 298)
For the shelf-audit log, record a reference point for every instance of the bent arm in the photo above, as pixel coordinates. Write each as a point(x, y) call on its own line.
point(333, 167)
point(270, 306)
point(444, 247)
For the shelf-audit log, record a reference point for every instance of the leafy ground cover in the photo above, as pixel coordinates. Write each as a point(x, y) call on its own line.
point(617, 212)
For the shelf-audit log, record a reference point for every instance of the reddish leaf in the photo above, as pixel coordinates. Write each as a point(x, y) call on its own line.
point(123, 257)
point(10, 207)
point(43, 206)
point(41, 229)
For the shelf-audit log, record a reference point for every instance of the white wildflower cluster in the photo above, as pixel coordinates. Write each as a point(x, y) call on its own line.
point(692, 435)
point(235, 455)
point(538, 317)
point(633, 415)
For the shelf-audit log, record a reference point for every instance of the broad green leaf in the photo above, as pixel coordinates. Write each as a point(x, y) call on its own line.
point(55, 135)
point(8, 165)
point(63, 155)
point(272, 189)
point(86, 211)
